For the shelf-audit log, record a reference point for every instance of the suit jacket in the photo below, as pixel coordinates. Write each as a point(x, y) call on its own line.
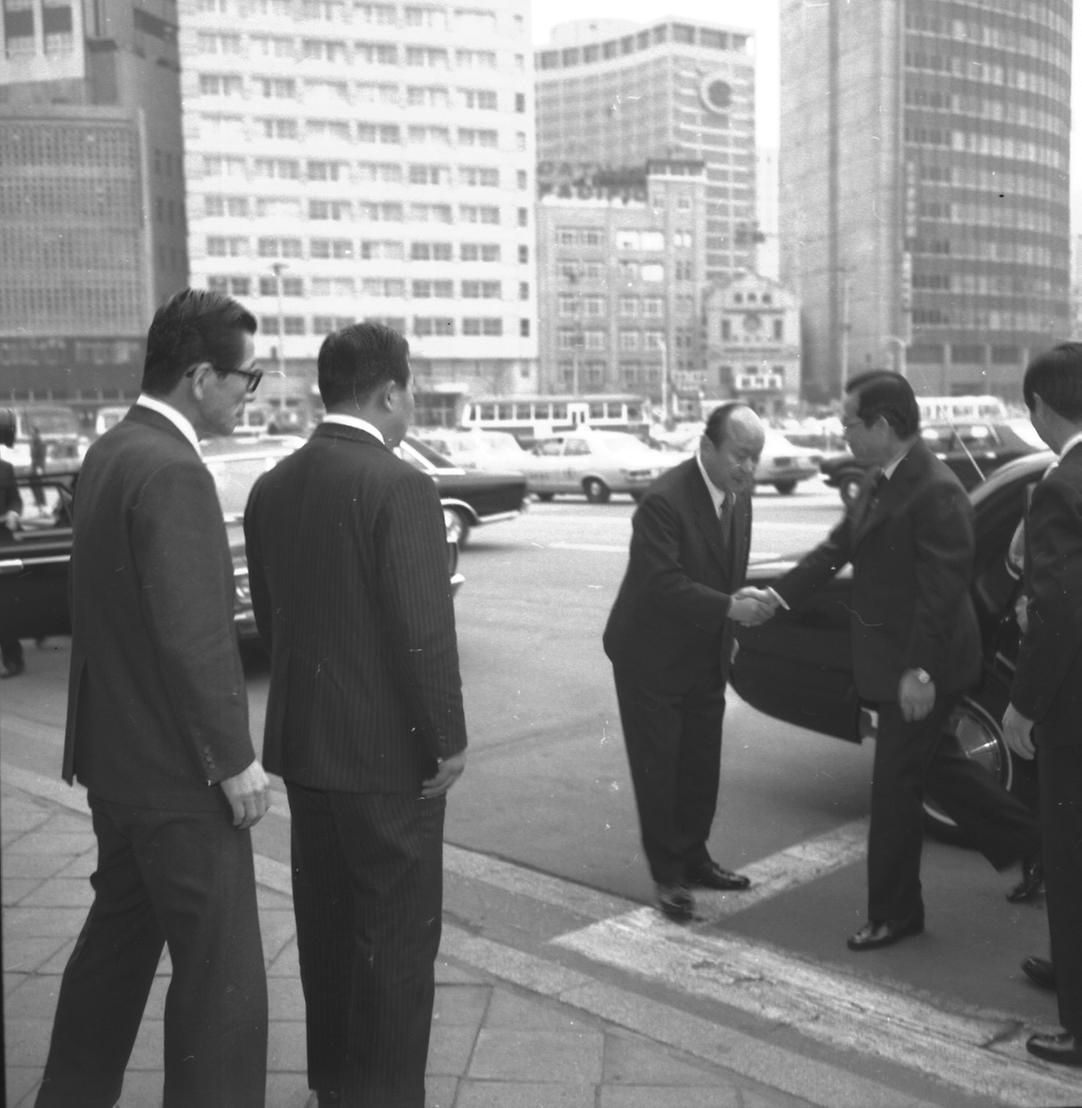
point(912, 551)
point(10, 497)
point(669, 622)
point(157, 706)
point(1047, 685)
point(347, 552)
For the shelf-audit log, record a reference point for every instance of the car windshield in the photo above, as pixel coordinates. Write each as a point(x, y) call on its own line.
point(235, 476)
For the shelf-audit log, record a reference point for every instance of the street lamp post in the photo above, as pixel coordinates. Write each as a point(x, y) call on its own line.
point(278, 268)
point(902, 344)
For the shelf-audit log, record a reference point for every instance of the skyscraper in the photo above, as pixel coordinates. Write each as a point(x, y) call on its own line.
point(92, 228)
point(924, 187)
point(620, 94)
point(367, 160)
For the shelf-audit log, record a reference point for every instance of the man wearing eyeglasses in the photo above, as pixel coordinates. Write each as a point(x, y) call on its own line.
point(157, 732)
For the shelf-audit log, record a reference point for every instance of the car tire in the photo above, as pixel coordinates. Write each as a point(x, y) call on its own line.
point(849, 486)
point(597, 492)
point(785, 487)
point(458, 526)
point(544, 497)
point(975, 723)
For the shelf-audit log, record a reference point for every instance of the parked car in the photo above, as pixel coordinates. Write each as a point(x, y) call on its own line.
point(797, 667)
point(594, 464)
point(972, 449)
point(34, 562)
point(469, 499)
point(477, 449)
point(783, 464)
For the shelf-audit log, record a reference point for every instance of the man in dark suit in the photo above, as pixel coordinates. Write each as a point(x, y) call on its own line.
point(157, 731)
point(670, 637)
point(916, 649)
point(348, 561)
point(1045, 710)
point(11, 507)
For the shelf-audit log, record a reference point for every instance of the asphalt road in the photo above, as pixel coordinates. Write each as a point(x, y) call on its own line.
point(547, 787)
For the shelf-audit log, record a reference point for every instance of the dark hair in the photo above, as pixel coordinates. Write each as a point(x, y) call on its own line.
point(717, 423)
point(190, 327)
point(886, 394)
point(357, 360)
point(1056, 376)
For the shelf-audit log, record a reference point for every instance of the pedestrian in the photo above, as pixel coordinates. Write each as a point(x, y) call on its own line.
point(11, 507)
point(347, 555)
point(916, 648)
point(157, 732)
point(38, 456)
point(1045, 709)
point(669, 637)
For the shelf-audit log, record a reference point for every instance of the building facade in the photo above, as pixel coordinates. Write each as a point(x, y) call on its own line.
point(924, 187)
point(618, 94)
point(92, 222)
point(752, 340)
point(621, 265)
point(351, 161)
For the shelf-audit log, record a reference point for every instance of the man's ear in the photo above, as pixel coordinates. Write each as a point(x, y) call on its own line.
point(198, 374)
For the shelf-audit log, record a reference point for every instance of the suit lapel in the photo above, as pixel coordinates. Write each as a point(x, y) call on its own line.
point(908, 473)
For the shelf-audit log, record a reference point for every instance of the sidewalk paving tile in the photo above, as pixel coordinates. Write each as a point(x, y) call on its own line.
point(630, 1061)
point(572, 1057)
point(458, 1005)
point(638, 1096)
point(505, 1094)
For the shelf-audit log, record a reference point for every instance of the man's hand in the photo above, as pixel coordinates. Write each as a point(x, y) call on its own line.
point(248, 792)
point(11, 519)
point(447, 773)
point(1018, 732)
point(915, 698)
point(750, 606)
point(1021, 612)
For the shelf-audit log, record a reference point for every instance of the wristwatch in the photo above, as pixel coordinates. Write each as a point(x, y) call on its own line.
point(922, 675)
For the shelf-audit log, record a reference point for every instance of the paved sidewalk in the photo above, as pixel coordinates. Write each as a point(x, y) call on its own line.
point(494, 1045)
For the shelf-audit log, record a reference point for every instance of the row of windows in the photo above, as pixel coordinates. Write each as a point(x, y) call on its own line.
point(684, 33)
point(63, 196)
point(83, 305)
point(999, 76)
point(474, 326)
point(75, 147)
point(475, 20)
point(1029, 184)
point(371, 249)
point(415, 173)
point(368, 286)
point(992, 215)
point(1052, 156)
point(984, 33)
point(996, 110)
point(346, 211)
point(986, 250)
point(984, 319)
point(597, 306)
point(624, 239)
point(985, 284)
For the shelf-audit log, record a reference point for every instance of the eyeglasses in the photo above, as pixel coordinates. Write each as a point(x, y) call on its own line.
point(849, 424)
point(253, 376)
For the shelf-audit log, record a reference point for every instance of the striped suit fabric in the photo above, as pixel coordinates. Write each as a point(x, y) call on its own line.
point(347, 556)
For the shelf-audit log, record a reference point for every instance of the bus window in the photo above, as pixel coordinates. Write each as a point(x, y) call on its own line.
point(487, 413)
point(598, 411)
point(506, 411)
point(559, 411)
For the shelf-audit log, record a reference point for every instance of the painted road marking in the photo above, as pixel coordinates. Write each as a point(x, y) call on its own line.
point(985, 1057)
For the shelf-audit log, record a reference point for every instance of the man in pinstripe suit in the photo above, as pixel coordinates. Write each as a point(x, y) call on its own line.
point(347, 555)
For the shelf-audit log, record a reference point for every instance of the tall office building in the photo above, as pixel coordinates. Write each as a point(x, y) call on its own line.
point(924, 187)
point(92, 230)
point(620, 94)
point(352, 160)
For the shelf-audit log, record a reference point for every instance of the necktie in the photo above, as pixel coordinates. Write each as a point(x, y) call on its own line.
point(725, 517)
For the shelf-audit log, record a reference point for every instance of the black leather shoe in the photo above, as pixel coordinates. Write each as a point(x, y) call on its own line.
point(14, 670)
point(1032, 881)
point(872, 936)
point(1064, 1048)
point(712, 876)
point(675, 902)
point(1040, 971)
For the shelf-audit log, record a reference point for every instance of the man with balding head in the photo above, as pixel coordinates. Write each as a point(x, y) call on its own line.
point(670, 638)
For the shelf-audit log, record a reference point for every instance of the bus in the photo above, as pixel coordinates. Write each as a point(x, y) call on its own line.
point(529, 418)
point(952, 409)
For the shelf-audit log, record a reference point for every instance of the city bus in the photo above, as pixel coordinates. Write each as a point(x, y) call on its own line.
point(954, 409)
point(529, 418)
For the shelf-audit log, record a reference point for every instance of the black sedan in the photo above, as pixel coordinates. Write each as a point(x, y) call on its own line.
point(972, 448)
point(469, 497)
point(798, 666)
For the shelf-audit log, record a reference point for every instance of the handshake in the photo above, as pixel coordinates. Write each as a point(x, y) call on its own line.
point(751, 606)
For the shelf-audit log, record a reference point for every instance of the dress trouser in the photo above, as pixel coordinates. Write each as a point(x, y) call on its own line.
point(368, 896)
point(912, 758)
point(185, 879)
point(1059, 770)
point(673, 745)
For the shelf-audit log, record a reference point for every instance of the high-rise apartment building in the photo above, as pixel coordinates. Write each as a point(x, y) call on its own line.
point(924, 187)
point(619, 93)
point(621, 268)
point(353, 160)
point(92, 227)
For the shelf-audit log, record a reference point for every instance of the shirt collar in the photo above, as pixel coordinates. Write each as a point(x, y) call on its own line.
point(1071, 443)
point(718, 496)
point(357, 423)
point(894, 463)
point(180, 421)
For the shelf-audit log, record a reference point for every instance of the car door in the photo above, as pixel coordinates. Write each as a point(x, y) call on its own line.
point(34, 560)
